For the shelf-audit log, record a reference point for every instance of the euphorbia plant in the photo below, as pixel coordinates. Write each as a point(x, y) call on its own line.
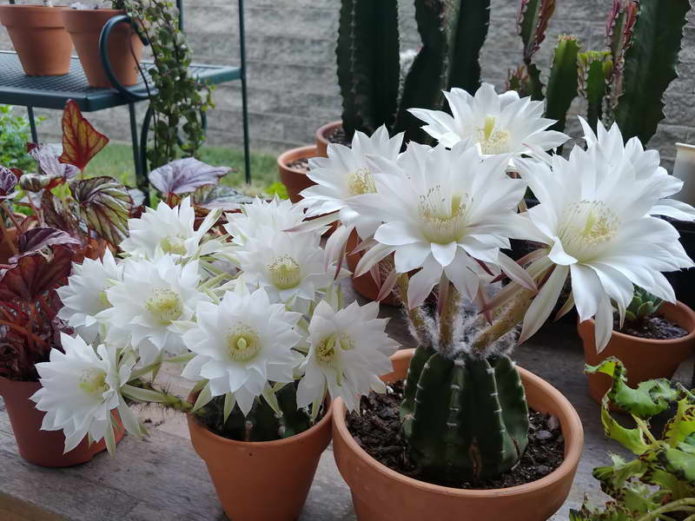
point(659, 483)
point(443, 215)
point(66, 217)
point(254, 314)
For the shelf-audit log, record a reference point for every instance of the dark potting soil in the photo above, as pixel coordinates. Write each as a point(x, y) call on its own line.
point(378, 431)
point(300, 164)
point(655, 327)
point(337, 136)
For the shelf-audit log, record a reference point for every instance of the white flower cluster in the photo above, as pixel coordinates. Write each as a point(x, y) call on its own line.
point(246, 310)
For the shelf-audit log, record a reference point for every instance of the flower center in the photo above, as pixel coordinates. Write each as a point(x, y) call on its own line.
point(243, 344)
point(585, 227)
point(285, 272)
point(165, 306)
point(492, 141)
point(443, 215)
point(361, 182)
point(93, 381)
point(104, 300)
point(174, 245)
point(327, 349)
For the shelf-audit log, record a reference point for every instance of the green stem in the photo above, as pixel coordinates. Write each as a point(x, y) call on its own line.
point(674, 506)
point(505, 321)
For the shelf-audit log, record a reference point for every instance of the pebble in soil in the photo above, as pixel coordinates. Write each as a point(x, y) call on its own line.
point(378, 431)
point(300, 164)
point(337, 136)
point(654, 327)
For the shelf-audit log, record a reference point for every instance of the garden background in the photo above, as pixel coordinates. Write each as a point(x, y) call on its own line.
point(292, 78)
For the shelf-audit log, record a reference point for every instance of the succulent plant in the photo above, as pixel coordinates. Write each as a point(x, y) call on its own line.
point(452, 33)
point(563, 80)
point(643, 305)
point(466, 418)
point(595, 71)
point(659, 483)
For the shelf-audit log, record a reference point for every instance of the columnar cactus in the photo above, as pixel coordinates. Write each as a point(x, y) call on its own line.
point(532, 23)
point(595, 71)
point(562, 84)
point(465, 418)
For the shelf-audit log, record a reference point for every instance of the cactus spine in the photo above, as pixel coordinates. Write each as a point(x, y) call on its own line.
point(466, 418)
point(650, 66)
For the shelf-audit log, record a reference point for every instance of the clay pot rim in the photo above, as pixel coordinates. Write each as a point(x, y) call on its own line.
point(211, 436)
point(572, 455)
point(323, 130)
point(26, 383)
point(35, 7)
point(100, 10)
point(307, 152)
point(655, 341)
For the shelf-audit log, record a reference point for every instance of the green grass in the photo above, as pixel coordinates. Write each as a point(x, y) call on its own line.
point(116, 160)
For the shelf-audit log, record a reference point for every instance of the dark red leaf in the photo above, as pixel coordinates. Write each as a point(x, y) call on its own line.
point(57, 214)
point(8, 181)
point(104, 205)
point(38, 238)
point(34, 274)
point(81, 141)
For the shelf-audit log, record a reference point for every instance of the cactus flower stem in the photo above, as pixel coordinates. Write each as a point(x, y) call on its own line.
point(449, 311)
point(505, 321)
point(416, 316)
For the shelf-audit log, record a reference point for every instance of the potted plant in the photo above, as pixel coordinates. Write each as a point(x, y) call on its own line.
point(462, 417)
point(652, 342)
point(658, 483)
point(255, 316)
point(39, 37)
point(66, 219)
point(293, 166)
point(85, 24)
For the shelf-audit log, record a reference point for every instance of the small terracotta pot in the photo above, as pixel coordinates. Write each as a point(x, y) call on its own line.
point(381, 494)
point(294, 179)
point(125, 47)
point(322, 140)
point(365, 284)
point(39, 37)
point(644, 358)
point(44, 448)
point(262, 481)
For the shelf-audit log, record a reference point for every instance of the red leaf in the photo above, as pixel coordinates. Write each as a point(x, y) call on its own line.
point(34, 274)
point(81, 141)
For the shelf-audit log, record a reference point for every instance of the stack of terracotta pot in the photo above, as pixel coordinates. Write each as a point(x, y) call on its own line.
point(44, 38)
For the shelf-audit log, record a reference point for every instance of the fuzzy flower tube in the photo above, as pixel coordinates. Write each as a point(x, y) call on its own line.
point(442, 217)
point(251, 313)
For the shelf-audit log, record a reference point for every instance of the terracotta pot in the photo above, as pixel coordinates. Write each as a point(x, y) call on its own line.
point(262, 481)
point(5, 251)
point(39, 37)
point(294, 179)
point(39, 447)
point(381, 494)
point(365, 284)
point(322, 140)
point(125, 47)
point(644, 359)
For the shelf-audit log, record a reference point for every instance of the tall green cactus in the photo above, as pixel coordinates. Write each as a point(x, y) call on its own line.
point(595, 71)
point(533, 20)
point(452, 33)
point(368, 63)
point(464, 419)
point(265, 422)
point(650, 66)
point(621, 23)
point(563, 81)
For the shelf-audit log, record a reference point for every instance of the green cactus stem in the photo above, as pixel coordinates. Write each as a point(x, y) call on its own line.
point(464, 419)
point(621, 23)
point(368, 64)
point(562, 83)
point(595, 72)
point(534, 18)
point(650, 66)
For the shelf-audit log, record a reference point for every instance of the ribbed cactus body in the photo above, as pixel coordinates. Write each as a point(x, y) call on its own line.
point(262, 423)
point(464, 419)
point(562, 83)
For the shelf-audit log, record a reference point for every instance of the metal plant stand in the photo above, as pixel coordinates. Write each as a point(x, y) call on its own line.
point(53, 92)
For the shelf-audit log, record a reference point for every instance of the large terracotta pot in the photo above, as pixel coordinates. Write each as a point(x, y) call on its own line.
point(365, 284)
point(294, 179)
point(39, 447)
point(39, 37)
point(381, 494)
point(644, 359)
point(125, 47)
point(262, 481)
point(322, 140)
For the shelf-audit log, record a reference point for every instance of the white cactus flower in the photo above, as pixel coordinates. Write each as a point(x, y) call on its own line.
point(262, 217)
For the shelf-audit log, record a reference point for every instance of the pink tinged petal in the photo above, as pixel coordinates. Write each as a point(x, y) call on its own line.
point(395, 234)
point(411, 257)
point(515, 272)
point(444, 253)
point(335, 245)
point(371, 258)
point(422, 283)
point(544, 303)
point(587, 291)
point(388, 285)
point(604, 323)
point(559, 256)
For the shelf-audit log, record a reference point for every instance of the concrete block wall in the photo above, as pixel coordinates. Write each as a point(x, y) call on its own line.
point(292, 77)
